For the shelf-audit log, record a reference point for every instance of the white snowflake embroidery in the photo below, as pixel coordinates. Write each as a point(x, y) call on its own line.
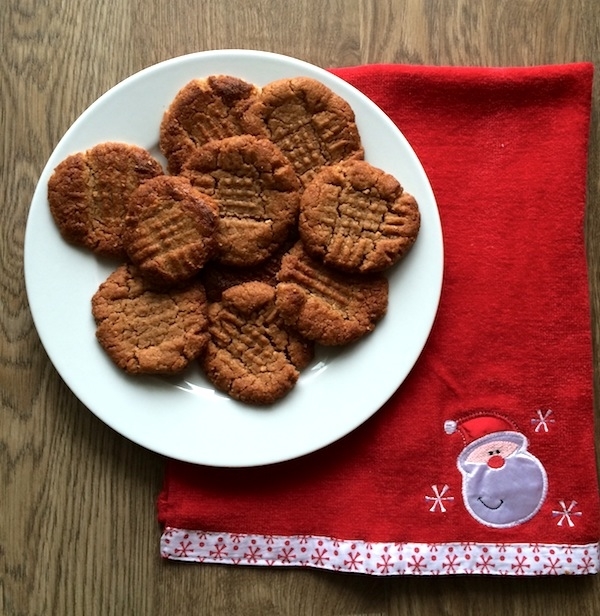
point(542, 420)
point(438, 498)
point(566, 513)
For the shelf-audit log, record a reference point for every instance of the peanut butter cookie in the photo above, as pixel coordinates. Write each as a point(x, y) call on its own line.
point(145, 331)
point(327, 306)
point(89, 191)
point(217, 277)
point(357, 218)
point(311, 124)
point(251, 354)
point(203, 110)
point(170, 229)
point(257, 192)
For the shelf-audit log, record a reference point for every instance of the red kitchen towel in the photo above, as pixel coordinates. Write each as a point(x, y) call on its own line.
point(483, 461)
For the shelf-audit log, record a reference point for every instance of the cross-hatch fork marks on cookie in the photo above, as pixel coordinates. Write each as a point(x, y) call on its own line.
point(333, 292)
point(240, 197)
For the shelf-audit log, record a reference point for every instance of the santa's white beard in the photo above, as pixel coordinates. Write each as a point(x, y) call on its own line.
point(504, 496)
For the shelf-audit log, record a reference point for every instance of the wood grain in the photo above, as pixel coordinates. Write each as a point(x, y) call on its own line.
point(78, 530)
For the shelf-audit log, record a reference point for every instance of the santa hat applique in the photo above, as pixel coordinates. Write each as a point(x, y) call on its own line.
point(476, 426)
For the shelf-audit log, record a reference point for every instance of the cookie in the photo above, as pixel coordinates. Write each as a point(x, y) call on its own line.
point(355, 217)
point(170, 230)
point(257, 192)
point(145, 331)
point(251, 354)
point(203, 110)
point(88, 194)
point(216, 277)
point(311, 124)
point(328, 306)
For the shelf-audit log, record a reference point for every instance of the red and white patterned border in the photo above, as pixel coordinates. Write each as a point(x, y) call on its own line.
point(404, 558)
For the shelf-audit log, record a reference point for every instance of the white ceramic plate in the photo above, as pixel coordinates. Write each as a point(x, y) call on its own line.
point(184, 418)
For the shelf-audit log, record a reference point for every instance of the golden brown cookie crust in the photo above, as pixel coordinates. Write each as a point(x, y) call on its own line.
point(88, 194)
point(251, 354)
point(311, 124)
point(145, 331)
point(257, 192)
point(355, 217)
point(170, 229)
point(328, 306)
point(203, 110)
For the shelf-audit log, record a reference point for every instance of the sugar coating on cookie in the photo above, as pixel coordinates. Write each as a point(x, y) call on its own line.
point(251, 354)
point(203, 110)
point(328, 306)
point(355, 217)
point(145, 331)
point(310, 123)
point(88, 194)
point(170, 229)
point(257, 192)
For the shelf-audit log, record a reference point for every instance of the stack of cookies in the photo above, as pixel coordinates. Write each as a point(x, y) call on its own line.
point(267, 234)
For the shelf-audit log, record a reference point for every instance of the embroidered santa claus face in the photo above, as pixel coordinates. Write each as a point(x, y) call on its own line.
point(503, 484)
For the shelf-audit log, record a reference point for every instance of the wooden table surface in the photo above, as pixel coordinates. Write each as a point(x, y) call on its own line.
point(78, 529)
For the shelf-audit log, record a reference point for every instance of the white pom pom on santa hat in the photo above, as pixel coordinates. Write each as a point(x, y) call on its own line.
point(450, 426)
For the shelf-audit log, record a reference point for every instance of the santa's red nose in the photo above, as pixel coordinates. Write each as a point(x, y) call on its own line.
point(496, 462)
